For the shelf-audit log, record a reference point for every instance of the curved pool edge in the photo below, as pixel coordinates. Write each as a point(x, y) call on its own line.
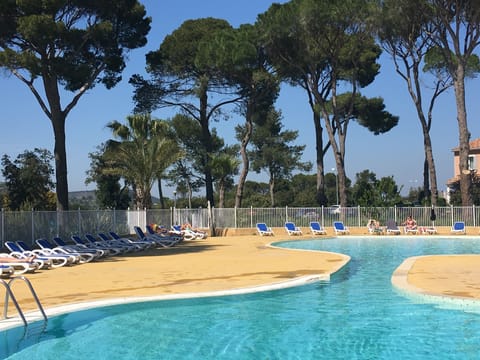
point(345, 258)
point(35, 315)
point(399, 280)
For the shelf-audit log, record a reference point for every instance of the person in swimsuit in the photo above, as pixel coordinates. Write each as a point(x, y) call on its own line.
point(410, 223)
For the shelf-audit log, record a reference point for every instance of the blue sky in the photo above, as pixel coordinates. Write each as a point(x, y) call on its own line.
point(398, 153)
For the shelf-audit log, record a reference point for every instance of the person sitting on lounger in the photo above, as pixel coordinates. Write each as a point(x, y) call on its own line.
point(410, 223)
point(374, 226)
point(187, 226)
point(6, 259)
point(160, 229)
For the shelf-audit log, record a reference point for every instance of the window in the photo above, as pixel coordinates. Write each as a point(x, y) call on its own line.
point(471, 163)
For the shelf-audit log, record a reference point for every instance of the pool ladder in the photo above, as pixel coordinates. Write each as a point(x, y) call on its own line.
point(9, 295)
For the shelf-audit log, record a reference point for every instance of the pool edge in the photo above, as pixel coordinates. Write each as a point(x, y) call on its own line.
point(33, 316)
point(399, 280)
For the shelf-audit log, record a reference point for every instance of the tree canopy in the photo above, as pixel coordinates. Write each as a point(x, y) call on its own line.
point(456, 33)
point(73, 44)
point(29, 180)
point(109, 192)
point(325, 47)
point(184, 77)
point(140, 152)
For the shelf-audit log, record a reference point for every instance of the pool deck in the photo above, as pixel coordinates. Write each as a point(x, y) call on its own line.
point(228, 264)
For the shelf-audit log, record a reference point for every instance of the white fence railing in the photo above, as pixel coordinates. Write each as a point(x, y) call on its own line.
point(31, 225)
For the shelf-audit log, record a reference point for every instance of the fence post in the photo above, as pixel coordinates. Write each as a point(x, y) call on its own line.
point(251, 216)
point(474, 217)
point(3, 226)
point(138, 216)
point(145, 217)
point(235, 216)
point(114, 220)
point(79, 221)
point(33, 225)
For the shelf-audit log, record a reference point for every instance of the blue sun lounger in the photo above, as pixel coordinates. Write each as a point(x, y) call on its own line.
point(264, 230)
point(292, 229)
point(316, 228)
point(340, 228)
point(458, 228)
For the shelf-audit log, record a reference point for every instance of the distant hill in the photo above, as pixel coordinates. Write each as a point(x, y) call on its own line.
point(88, 196)
point(82, 195)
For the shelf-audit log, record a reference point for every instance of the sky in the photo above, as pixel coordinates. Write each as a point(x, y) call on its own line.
point(398, 153)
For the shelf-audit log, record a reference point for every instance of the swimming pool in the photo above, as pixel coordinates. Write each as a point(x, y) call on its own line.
point(357, 315)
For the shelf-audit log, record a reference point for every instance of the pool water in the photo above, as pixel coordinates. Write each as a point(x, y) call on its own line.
point(357, 315)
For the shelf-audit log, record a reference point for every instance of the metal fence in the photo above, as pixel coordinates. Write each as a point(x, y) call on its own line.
point(31, 225)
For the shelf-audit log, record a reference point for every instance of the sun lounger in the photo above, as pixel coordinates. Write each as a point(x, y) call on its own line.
point(114, 250)
point(153, 239)
point(45, 261)
point(316, 228)
point(143, 244)
point(85, 254)
point(428, 230)
point(340, 228)
point(87, 245)
point(410, 230)
point(120, 243)
point(188, 234)
point(392, 228)
point(6, 270)
point(292, 229)
point(458, 228)
point(47, 253)
point(165, 235)
point(264, 230)
point(19, 266)
point(51, 249)
point(374, 228)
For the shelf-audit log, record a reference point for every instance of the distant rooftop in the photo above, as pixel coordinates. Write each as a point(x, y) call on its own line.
point(474, 145)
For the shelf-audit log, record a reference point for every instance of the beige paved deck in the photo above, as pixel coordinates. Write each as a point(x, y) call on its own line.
point(455, 276)
point(231, 262)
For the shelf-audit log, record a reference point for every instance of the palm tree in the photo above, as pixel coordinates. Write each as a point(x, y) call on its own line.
point(224, 168)
point(144, 151)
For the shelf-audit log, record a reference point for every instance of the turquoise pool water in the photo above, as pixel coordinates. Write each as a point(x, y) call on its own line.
point(357, 315)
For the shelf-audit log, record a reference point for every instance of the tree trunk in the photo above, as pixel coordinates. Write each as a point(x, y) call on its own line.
point(245, 161)
point(207, 142)
point(189, 196)
point(57, 117)
point(58, 123)
point(430, 187)
point(138, 198)
point(314, 102)
point(320, 191)
point(431, 190)
point(160, 193)
point(426, 180)
point(464, 135)
point(271, 186)
point(341, 175)
point(221, 195)
point(338, 150)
